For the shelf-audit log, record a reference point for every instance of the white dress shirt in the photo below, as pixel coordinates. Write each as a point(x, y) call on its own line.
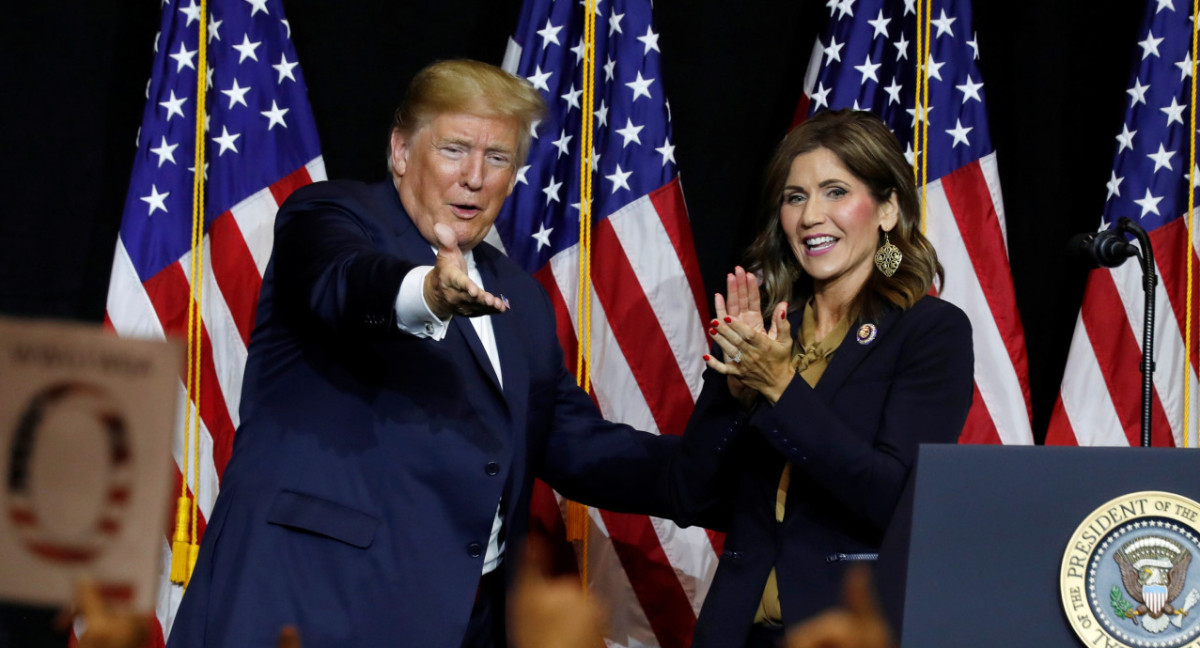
point(414, 317)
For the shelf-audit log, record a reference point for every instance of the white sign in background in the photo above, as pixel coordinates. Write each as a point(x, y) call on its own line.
point(85, 432)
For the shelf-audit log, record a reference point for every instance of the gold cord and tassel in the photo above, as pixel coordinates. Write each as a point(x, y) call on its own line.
point(921, 105)
point(577, 514)
point(180, 541)
point(1189, 249)
point(185, 542)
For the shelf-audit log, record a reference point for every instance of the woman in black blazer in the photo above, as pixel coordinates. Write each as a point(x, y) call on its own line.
point(829, 376)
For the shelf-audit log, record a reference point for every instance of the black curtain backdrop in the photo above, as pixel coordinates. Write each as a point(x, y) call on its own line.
point(74, 75)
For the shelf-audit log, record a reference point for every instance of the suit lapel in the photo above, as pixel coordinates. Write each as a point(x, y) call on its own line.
point(516, 372)
point(508, 342)
point(514, 365)
point(853, 350)
point(466, 330)
point(414, 246)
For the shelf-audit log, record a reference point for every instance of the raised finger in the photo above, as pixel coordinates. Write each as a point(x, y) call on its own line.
point(88, 599)
point(536, 561)
point(858, 593)
point(731, 291)
point(739, 277)
point(719, 304)
point(753, 299)
point(289, 637)
point(832, 628)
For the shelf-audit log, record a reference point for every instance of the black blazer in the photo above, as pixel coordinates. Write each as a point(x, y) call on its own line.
point(368, 466)
point(852, 442)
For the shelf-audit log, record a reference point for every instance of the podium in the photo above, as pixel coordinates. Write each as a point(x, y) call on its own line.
point(990, 526)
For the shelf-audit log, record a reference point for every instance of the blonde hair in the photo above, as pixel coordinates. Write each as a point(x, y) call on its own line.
point(472, 87)
point(871, 152)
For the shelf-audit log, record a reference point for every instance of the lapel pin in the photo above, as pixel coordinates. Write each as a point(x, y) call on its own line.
point(866, 333)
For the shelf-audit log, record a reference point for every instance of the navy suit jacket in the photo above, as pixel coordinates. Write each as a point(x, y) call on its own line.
point(369, 463)
point(852, 442)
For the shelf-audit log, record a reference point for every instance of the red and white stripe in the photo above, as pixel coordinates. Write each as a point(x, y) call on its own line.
point(1100, 401)
point(237, 247)
point(964, 220)
point(647, 338)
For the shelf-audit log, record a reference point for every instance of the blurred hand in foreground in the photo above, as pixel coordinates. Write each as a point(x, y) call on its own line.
point(858, 623)
point(289, 637)
point(551, 612)
point(103, 627)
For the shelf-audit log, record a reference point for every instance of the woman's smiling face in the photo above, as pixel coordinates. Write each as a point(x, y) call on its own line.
point(832, 221)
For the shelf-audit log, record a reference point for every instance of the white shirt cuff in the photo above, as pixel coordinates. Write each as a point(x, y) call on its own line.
point(413, 315)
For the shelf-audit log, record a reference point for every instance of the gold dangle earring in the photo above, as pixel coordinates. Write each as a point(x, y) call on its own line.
point(888, 257)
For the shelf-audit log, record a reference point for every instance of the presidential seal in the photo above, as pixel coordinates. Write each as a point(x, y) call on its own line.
point(1128, 578)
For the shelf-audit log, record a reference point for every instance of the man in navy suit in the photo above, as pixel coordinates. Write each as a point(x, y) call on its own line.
point(404, 386)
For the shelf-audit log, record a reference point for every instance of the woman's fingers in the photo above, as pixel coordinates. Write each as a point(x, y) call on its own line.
point(719, 304)
point(733, 291)
point(724, 368)
point(753, 300)
point(740, 332)
point(747, 349)
point(781, 328)
point(727, 343)
point(739, 275)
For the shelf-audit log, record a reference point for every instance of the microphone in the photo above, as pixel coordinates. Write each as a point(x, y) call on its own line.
point(1104, 249)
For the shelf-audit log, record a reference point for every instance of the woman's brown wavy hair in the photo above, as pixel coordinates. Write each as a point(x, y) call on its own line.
point(871, 152)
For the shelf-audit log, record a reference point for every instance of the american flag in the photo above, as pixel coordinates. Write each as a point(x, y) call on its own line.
point(261, 144)
point(1099, 402)
point(647, 299)
point(867, 60)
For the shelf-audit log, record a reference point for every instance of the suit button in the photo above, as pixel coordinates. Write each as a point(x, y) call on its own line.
point(492, 468)
point(475, 550)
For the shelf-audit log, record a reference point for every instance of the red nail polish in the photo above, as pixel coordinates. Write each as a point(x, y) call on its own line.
point(728, 320)
point(712, 331)
point(783, 316)
point(707, 357)
point(714, 323)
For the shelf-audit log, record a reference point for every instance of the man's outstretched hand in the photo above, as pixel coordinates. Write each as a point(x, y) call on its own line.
point(448, 288)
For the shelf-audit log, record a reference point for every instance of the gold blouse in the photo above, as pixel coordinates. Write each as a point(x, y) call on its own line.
point(810, 361)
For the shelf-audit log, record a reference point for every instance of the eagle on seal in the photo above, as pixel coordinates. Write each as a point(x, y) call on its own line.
point(1138, 582)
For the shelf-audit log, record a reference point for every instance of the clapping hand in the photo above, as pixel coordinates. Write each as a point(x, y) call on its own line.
point(756, 360)
point(742, 302)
